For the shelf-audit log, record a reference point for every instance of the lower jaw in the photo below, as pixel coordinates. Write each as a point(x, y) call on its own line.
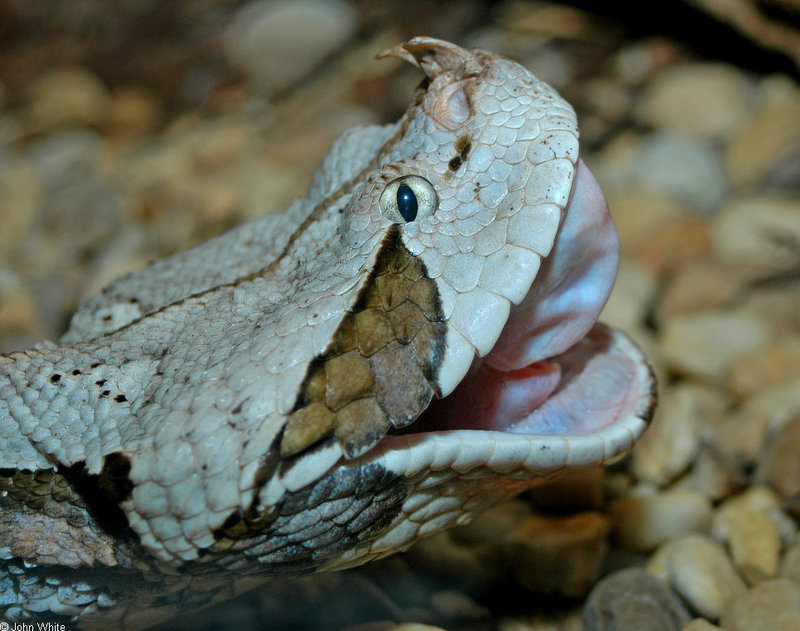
point(597, 409)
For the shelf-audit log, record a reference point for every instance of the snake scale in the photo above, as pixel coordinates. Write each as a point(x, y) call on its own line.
point(410, 343)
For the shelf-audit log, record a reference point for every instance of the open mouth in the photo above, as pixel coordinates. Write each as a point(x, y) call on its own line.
point(557, 389)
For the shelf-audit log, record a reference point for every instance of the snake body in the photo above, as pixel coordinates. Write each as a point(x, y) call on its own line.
point(407, 345)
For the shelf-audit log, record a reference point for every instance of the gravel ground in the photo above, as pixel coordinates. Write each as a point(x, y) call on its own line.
point(130, 133)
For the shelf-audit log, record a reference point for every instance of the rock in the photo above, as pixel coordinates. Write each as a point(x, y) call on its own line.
point(754, 498)
point(634, 290)
point(643, 522)
point(776, 304)
point(633, 599)
point(780, 404)
point(20, 326)
point(638, 228)
point(66, 97)
point(711, 476)
point(790, 565)
point(670, 165)
point(770, 606)
point(701, 285)
point(768, 137)
point(771, 366)
point(80, 207)
point(133, 114)
point(453, 605)
point(20, 197)
point(560, 555)
point(701, 624)
point(635, 62)
point(706, 344)
point(684, 168)
point(671, 442)
point(278, 43)
point(383, 625)
point(677, 241)
point(700, 571)
point(707, 100)
point(576, 490)
point(753, 540)
point(780, 467)
point(757, 231)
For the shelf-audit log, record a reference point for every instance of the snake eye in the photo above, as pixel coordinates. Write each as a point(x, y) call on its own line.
point(408, 198)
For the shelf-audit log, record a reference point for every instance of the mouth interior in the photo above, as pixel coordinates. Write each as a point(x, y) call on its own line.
point(553, 370)
point(586, 388)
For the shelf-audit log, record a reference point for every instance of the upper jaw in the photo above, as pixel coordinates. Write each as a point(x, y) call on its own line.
point(580, 392)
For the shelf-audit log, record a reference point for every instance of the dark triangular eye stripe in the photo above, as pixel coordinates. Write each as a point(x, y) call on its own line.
point(381, 366)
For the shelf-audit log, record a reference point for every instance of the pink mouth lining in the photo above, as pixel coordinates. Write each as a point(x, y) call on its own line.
point(589, 387)
point(553, 372)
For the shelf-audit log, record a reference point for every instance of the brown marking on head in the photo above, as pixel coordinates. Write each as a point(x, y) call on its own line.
point(381, 366)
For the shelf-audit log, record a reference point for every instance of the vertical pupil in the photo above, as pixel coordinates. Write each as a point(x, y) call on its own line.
point(406, 202)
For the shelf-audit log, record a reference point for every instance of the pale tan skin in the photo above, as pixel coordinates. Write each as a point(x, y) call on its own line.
point(222, 416)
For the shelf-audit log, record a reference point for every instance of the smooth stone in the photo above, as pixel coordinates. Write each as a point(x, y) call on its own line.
point(706, 344)
point(701, 285)
point(20, 324)
point(133, 114)
point(700, 571)
point(777, 305)
point(581, 489)
point(769, 606)
point(769, 137)
point(757, 231)
point(455, 605)
point(636, 228)
point(755, 498)
point(81, 206)
point(790, 564)
point(66, 97)
point(386, 625)
point(677, 242)
point(670, 444)
point(634, 290)
point(633, 599)
point(771, 366)
point(780, 466)
point(681, 167)
point(710, 475)
point(299, 34)
point(686, 170)
point(561, 555)
point(637, 61)
point(701, 624)
point(20, 198)
point(702, 99)
point(643, 522)
point(753, 540)
point(739, 436)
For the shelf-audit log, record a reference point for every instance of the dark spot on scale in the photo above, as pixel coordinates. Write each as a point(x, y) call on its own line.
point(100, 382)
point(55, 378)
point(238, 408)
point(105, 393)
point(106, 318)
point(76, 372)
point(454, 164)
point(463, 146)
point(95, 365)
point(120, 398)
point(133, 300)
